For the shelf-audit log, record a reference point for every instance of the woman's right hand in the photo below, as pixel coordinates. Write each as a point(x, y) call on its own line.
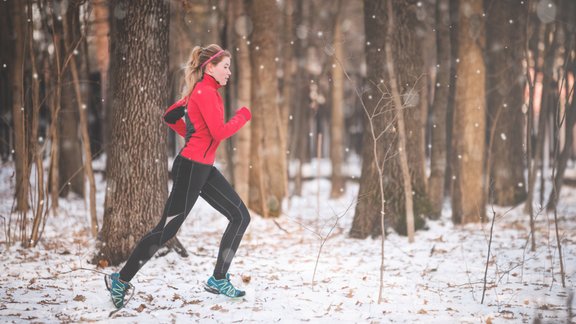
point(244, 112)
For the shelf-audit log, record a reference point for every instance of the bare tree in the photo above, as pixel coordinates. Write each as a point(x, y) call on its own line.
point(568, 117)
point(337, 128)
point(267, 177)
point(547, 101)
point(241, 30)
point(370, 208)
point(40, 204)
point(6, 74)
point(299, 143)
point(438, 158)
point(468, 204)
point(136, 166)
point(101, 29)
point(505, 36)
point(409, 70)
point(70, 154)
point(402, 140)
point(21, 160)
point(55, 107)
point(81, 105)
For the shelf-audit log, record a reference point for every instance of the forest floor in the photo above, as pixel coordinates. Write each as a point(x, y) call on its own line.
point(437, 279)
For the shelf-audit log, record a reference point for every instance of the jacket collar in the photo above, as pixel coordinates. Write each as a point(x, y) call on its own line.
point(210, 81)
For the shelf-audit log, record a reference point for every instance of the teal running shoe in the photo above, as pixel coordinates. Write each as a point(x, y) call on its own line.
point(117, 288)
point(223, 286)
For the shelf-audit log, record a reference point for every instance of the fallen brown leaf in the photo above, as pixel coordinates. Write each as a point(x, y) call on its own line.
point(140, 308)
point(79, 298)
point(102, 263)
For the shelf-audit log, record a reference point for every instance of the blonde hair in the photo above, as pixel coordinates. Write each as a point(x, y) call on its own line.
point(195, 66)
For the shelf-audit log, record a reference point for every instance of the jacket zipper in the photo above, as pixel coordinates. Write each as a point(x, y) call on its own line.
point(208, 148)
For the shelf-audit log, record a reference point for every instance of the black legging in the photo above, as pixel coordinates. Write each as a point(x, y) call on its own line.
point(193, 179)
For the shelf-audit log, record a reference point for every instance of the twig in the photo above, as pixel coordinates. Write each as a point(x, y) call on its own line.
point(280, 227)
point(488, 256)
point(325, 238)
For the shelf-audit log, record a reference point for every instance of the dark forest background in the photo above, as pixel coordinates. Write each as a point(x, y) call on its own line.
point(469, 103)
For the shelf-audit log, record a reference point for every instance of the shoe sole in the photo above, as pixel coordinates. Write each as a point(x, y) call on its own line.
point(216, 292)
point(107, 281)
point(211, 290)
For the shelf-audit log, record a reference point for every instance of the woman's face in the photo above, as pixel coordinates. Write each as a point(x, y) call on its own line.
point(221, 71)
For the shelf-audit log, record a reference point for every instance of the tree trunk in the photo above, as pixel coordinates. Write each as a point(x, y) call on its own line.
point(267, 146)
point(562, 160)
point(136, 166)
point(243, 72)
point(454, 4)
point(568, 116)
point(6, 75)
point(299, 141)
point(505, 35)
point(409, 73)
point(438, 158)
point(288, 78)
point(73, 39)
point(70, 154)
point(54, 176)
point(87, 161)
point(408, 61)
point(369, 211)
point(36, 145)
point(19, 117)
point(402, 131)
point(468, 204)
point(546, 101)
point(337, 127)
point(101, 28)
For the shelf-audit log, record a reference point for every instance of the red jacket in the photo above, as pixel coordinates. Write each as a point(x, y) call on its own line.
point(203, 124)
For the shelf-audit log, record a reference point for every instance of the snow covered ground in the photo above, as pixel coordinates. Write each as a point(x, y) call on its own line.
point(437, 279)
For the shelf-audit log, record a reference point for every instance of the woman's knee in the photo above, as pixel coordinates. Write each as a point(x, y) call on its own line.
point(243, 215)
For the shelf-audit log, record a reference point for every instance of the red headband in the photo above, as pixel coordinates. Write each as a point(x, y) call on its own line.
point(211, 58)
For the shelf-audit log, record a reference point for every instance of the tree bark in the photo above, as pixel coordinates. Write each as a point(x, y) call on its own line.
point(369, 211)
point(337, 127)
point(408, 61)
point(101, 28)
point(562, 160)
point(242, 161)
point(136, 166)
point(54, 175)
point(288, 79)
point(568, 115)
point(6, 74)
point(79, 72)
point(36, 145)
point(21, 161)
point(299, 142)
point(469, 144)
point(505, 35)
point(267, 146)
point(454, 23)
point(410, 73)
point(70, 153)
point(546, 101)
point(438, 158)
point(399, 107)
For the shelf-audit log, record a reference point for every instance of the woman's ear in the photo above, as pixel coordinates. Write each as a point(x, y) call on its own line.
point(209, 68)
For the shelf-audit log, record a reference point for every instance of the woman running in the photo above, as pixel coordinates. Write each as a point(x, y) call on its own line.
point(199, 118)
